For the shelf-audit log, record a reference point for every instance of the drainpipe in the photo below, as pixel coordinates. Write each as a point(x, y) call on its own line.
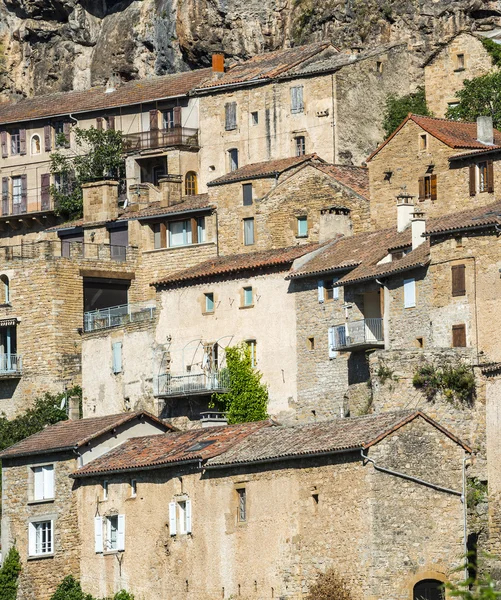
point(465, 519)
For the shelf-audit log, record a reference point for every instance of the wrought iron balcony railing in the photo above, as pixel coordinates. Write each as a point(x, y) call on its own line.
point(10, 365)
point(18, 206)
point(366, 333)
point(118, 315)
point(55, 249)
point(191, 384)
point(161, 138)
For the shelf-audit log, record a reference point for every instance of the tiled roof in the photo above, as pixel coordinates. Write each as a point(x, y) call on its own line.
point(454, 134)
point(267, 65)
point(355, 178)
point(179, 447)
point(319, 438)
point(235, 263)
point(467, 219)
point(269, 168)
point(154, 209)
point(473, 153)
point(67, 435)
point(97, 99)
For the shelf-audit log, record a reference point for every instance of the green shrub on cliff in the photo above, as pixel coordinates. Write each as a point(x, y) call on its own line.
point(9, 574)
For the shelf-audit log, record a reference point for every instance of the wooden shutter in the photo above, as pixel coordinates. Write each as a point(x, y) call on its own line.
point(38, 483)
point(433, 187)
point(22, 141)
point(459, 336)
point(153, 119)
point(409, 293)
point(47, 134)
point(24, 193)
point(99, 123)
point(45, 191)
point(188, 516)
point(98, 534)
point(31, 539)
point(67, 134)
point(121, 533)
point(172, 518)
point(490, 176)
point(473, 180)
point(458, 280)
point(5, 195)
point(421, 188)
point(230, 115)
point(177, 112)
point(117, 357)
point(48, 481)
point(111, 122)
point(321, 291)
point(5, 151)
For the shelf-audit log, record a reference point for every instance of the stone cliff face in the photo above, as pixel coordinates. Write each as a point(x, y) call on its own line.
point(54, 45)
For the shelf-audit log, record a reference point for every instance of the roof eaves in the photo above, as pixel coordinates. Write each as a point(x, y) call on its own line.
point(144, 467)
point(451, 230)
point(474, 153)
point(7, 455)
point(326, 271)
point(389, 273)
point(168, 214)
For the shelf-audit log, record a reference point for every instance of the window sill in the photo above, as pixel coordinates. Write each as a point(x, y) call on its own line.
point(44, 501)
point(301, 237)
point(249, 306)
point(41, 556)
point(209, 313)
point(111, 552)
point(460, 70)
point(6, 305)
point(171, 248)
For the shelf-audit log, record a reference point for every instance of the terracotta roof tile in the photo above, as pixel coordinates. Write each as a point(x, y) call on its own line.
point(267, 65)
point(189, 203)
point(355, 178)
point(67, 435)
point(269, 168)
point(97, 99)
point(177, 447)
point(467, 219)
point(235, 263)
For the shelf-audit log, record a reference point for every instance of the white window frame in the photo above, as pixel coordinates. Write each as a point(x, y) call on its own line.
point(409, 293)
point(37, 546)
point(43, 482)
point(102, 534)
point(105, 489)
point(180, 517)
point(15, 142)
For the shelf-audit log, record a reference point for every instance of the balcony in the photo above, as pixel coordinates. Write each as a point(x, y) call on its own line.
point(358, 335)
point(55, 249)
point(161, 138)
point(22, 206)
point(115, 316)
point(11, 366)
point(191, 384)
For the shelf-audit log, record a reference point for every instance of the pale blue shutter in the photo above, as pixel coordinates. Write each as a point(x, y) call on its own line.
point(335, 290)
point(31, 539)
point(117, 357)
point(321, 293)
point(188, 516)
point(409, 293)
point(98, 534)
point(172, 518)
point(121, 533)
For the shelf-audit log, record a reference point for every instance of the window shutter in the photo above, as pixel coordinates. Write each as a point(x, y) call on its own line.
point(47, 134)
point(230, 115)
point(153, 119)
point(45, 190)
point(459, 336)
point(31, 539)
point(111, 122)
point(247, 194)
point(3, 136)
point(38, 485)
point(172, 518)
point(409, 293)
point(335, 290)
point(490, 176)
point(67, 133)
point(99, 123)
point(177, 112)
point(117, 357)
point(48, 481)
point(121, 533)
point(24, 193)
point(473, 180)
point(5, 195)
point(22, 141)
point(188, 516)
point(321, 291)
point(98, 534)
point(433, 186)
point(421, 188)
point(458, 280)
point(332, 343)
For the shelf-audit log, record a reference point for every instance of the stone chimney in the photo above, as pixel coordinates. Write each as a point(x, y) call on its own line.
point(73, 408)
point(213, 418)
point(170, 189)
point(405, 208)
point(485, 130)
point(218, 64)
point(334, 221)
point(418, 227)
point(100, 201)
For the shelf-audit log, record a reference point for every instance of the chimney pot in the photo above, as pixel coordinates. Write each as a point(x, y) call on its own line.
point(405, 208)
point(218, 63)
point(485, 130)
point(418, 228)
point(74, 408)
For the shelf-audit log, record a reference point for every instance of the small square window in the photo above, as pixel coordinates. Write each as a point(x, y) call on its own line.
point(133, 488)
point(300, 145)
point(310, 343)
point(209, 302)
point(43, 482)
point(331, 292)
point(379, 66)
point(248, 296)
point(242, 505)
point(41, 538)
point(460, 62)
point(302, 226)
point(423, 141)
point(254, 118)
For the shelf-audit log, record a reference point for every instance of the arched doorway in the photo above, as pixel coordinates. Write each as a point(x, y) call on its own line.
point(429, 589)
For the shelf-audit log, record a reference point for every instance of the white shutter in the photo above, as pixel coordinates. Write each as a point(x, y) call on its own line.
point(48, 481)
point(172, 518)
point(31, 539)
point(335, 290)
point(38, 483)
point(332, 343)
point(321, 293)
point(98, 534)
point(409, 293)
point(117, 357)
point(188, 516)
point(121, 533)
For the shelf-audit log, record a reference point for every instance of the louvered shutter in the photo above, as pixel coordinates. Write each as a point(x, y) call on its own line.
point(459, 336)
point(22, 141)
point(332, 342)
point(5, 195)
point(433, 186)
point(24, 193)
point(409, 293)
point(67, 134)
point(99, 123)
point(47, 134)
point(38, 485)
point(321, 291)
point(117, 357)
point(5, 151)
point(458, 280)
point(98, 534)
point(153, 119)
point(48, 481)
point(172, 518)
point(473, 180)
point(32, 549)
point(421, 188)
point(121, 533)
point(111, 122)
point(45, 190)
point(490, 176)
point(177, 112)
point(188, 516)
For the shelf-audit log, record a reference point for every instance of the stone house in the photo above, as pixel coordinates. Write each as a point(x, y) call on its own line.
point(446, 166)
point(39, 504)
point(462, 57)
point(267, 500)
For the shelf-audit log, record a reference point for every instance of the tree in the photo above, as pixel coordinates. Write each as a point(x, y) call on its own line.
point(479, 97)
point(330, 586)
point(123, 595)
point(70, 589)
point(9, 575)
point(98, 156)
point(397, 108)
point(474, 589)
point(247, 399)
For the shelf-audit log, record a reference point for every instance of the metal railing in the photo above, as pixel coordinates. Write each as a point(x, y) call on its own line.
point(160, 138)
point(24, 206)
point(191, 383)
point(358, 333)
point(114, 316)
point(50, 249)
point(10, 364)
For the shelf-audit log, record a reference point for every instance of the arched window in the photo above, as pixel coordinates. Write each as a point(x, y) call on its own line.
point(190, 184)
point(4, 289)
point(429, 589)
point(35, 144)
